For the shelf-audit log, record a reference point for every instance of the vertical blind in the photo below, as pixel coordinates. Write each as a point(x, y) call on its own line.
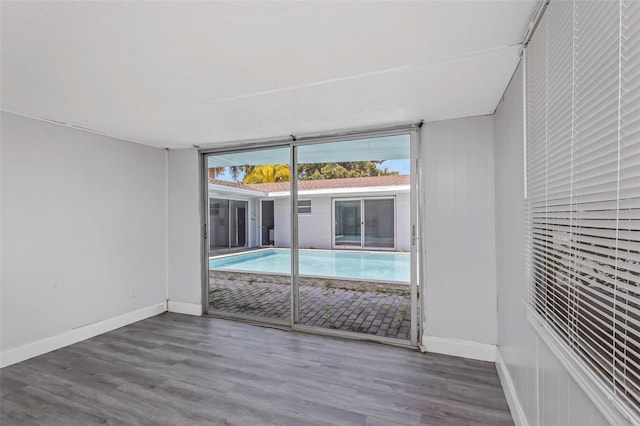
point(583, 188)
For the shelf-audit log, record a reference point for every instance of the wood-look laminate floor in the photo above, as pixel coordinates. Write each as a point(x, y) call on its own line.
point(183, 370)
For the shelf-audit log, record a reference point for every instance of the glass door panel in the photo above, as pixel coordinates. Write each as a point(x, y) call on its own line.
point(218, 224)
point(348, 223)
point(348, 280)
point(379, 223)
point(245, 279)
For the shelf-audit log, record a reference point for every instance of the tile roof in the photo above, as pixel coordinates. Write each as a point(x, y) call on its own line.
point(227, 183)
point(361, 182)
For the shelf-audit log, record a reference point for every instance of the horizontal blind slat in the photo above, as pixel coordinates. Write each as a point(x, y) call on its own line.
point(583, 166)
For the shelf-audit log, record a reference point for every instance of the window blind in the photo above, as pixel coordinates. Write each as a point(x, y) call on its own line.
point(583, 177)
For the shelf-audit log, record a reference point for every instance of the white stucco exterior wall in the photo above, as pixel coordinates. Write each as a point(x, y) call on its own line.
point(316, 229)
point(403, 222)
point(282, 222)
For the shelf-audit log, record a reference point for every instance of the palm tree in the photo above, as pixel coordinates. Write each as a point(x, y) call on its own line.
point(235, 171)
point(268, 173)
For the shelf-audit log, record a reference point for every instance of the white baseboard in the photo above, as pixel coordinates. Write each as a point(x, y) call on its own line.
point(510, 391)
point(30, 350)
point(460, 348)
point(184, 308)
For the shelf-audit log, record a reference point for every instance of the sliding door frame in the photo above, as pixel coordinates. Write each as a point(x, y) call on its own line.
point(417, 288)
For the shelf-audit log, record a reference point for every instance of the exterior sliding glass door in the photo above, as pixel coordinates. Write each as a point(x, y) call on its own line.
point(367, 223)
point(227, 223)
point(318, 234)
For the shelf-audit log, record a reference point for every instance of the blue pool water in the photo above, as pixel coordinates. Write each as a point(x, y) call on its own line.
point(324, 263)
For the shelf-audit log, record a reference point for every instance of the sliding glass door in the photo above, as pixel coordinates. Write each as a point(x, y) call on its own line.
point(318, 235)
point(364, 223)
point(227, 223)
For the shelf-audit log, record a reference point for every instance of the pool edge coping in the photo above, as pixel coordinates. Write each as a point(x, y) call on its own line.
point(307, 249)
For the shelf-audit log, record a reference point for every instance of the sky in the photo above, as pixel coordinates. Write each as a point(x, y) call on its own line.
point(401, 166)
point(226, 176)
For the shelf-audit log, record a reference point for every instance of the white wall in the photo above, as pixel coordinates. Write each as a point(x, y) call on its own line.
point(253, 223)
point(185, 258)
point(282, 222)
point(83, 229)
point(544, 389)
point(316, 230)
point(457, 164)
point(403, 222)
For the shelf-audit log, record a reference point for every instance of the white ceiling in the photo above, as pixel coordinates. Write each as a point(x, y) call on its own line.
point(174, 74)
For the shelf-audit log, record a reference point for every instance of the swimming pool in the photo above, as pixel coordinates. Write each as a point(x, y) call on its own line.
point(323, 263)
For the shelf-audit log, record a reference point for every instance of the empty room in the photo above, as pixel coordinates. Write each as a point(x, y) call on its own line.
point(320, 212)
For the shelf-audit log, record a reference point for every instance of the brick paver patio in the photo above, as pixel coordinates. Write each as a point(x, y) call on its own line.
point(380, 313)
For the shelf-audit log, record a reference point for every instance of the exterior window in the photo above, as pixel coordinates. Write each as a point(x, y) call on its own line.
point(583, 226)
point(304, 207)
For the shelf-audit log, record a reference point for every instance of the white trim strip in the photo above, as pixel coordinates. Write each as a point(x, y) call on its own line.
point(184, 308)
point(308, 138)
point(355, 190)
point(353, 335)
point(460, 348)
point(40, 347)
point(517, 412)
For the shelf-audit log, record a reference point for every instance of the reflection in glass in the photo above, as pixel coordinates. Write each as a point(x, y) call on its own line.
point(348, 223)
point(379, 223)
point(218, 223)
